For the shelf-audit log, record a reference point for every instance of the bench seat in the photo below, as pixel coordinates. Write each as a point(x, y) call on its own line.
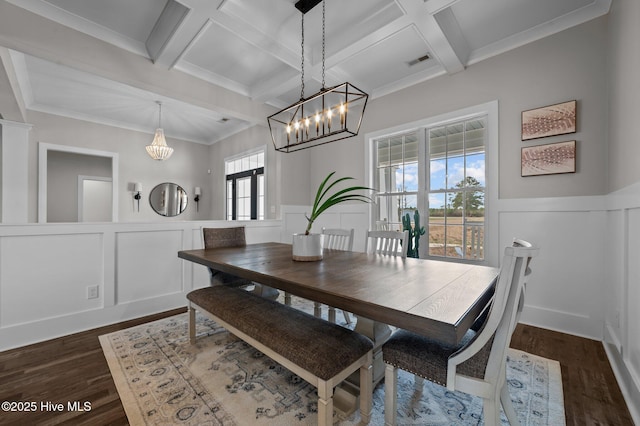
point(320, 352)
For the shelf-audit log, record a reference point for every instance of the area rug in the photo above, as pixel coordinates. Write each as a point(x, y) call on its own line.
point(164, 380)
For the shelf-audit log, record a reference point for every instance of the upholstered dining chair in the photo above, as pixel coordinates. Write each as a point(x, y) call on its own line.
point(335, 239)
point(478, 364)
point(232, 237)
point(389, 243)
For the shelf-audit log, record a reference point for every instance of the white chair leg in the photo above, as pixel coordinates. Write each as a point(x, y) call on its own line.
point(418, 382)
point(491, 411)
point(325, 403)
point(505, 399)
point(346, 317)
point(390, 392)
point(287, 299)
point(317, 310)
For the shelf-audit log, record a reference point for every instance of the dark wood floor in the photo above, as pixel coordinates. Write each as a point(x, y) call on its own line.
point(73, 368)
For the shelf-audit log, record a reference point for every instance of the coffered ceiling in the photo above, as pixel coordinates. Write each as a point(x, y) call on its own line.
point(252, 47)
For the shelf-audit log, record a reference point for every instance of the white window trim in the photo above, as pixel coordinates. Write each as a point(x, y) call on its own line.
point(492, 252)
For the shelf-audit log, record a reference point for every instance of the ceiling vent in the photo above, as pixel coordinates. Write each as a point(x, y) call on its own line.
point(418, 60)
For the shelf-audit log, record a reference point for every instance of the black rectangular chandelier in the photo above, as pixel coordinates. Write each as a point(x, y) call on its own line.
point(332, 114)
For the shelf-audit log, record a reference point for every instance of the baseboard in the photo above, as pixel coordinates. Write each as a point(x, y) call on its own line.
point(564, 322)
point(37, 331)
point(630, 390)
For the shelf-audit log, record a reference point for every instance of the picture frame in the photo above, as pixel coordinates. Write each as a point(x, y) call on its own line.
point(549, 159)
point(551, 120)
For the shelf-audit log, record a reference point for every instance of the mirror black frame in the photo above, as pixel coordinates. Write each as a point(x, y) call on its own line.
point(168, 199)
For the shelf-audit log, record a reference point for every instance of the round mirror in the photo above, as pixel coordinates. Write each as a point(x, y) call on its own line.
point(168, 199)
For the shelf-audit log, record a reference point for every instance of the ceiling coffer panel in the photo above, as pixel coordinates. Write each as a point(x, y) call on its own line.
point(234, 58)
point(396, 55)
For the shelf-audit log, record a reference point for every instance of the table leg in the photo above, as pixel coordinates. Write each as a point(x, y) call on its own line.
point(346, 394)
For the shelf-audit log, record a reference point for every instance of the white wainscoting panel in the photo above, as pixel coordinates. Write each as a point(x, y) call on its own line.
point(45, 276)
point(621, 293)
point(147, 264)
point(632, 299)
point(45, 270)
point(613, 287)
point(564, 292)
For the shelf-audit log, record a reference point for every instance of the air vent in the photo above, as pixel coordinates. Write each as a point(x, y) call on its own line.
point(418, 60)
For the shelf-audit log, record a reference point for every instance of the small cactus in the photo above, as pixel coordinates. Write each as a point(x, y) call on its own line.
point(414, 233)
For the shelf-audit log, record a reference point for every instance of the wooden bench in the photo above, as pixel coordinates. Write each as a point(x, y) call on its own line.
point(322, 353)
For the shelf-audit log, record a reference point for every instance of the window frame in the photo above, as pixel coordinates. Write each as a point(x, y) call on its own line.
point(490, 109)
point(448, 189)
point(254, 173)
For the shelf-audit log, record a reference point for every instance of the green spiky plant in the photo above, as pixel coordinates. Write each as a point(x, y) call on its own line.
point(323, 201)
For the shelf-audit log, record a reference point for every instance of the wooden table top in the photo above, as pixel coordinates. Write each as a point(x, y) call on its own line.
point(434, 298)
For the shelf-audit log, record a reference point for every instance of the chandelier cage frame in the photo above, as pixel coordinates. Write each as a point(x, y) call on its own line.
point(332, 114)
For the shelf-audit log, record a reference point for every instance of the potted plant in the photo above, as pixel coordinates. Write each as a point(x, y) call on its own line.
point(308, 246)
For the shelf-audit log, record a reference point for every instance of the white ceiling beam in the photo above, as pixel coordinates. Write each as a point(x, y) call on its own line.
point(435, 6)
point(12, 104)
point(182, 35)
point(434, 35)
point(451, 29)
point(166, 25)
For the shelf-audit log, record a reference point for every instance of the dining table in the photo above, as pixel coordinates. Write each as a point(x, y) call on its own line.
point(435, 298)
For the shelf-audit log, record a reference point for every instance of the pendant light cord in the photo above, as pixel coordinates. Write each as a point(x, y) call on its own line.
point(323, 13)
point(302, 61)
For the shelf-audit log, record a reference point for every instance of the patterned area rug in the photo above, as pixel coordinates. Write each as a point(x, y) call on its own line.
point(163, 380)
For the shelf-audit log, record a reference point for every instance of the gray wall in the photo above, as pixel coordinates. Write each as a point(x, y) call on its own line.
point(63, 169)
point(287, 174)
point(623, 62)
point(559, 68)
point(187, 167)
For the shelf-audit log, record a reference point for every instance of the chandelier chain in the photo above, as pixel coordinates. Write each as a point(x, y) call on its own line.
point(302, 61)
point(323, 13)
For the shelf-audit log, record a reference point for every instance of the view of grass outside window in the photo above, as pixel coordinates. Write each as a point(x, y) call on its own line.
point(456, 194)
point(245, 187)
point(451, 200)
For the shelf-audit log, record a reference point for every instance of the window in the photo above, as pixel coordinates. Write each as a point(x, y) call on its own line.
point(396, 179)
point(436, 166)
point(456, 189)
point(245, 187)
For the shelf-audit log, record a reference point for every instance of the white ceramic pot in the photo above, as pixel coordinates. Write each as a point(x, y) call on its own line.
point(307, 248)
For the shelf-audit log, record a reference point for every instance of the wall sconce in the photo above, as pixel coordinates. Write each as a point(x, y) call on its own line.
point(197, 192)
point(137, 188)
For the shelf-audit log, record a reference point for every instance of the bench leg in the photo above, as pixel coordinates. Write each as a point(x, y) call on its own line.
point(366, 390)
point(325, 403)
point(192, 324)
point(287, 299)
point(317, 310)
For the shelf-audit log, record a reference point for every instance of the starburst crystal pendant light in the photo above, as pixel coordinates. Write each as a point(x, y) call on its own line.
point(158, 150)
point(332, 114)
